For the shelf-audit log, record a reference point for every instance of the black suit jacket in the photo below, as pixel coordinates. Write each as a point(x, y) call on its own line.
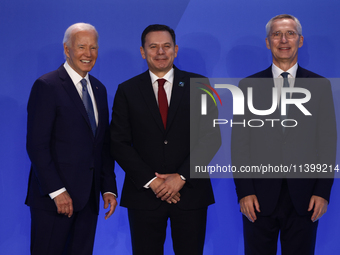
point(312, 141)
point(142, 146)
point(61, 145)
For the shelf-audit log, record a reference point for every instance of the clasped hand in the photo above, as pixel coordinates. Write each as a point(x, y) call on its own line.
point(167, 187)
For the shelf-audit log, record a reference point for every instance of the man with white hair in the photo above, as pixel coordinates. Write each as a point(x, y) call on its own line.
point(68, 145)
point(286, 204)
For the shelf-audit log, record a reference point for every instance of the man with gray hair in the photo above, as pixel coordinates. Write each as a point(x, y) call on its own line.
point(287, 203)
point(68, 145)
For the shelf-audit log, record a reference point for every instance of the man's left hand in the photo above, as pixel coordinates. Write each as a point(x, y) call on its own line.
point(320, 207)
point(109, 199)
point(169, 189)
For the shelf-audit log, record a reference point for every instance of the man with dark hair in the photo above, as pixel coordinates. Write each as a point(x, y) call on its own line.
point(150, 135)
point(286, 203)
point(157, 27)
point(68, 144)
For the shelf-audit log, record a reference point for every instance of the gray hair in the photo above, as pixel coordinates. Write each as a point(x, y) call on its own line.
point(76, 28)
point(284, 16)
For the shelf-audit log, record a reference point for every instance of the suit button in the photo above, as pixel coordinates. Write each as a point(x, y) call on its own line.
point(165, 142)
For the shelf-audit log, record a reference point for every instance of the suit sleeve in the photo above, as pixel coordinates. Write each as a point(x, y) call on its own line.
point(121, 143)
point(205, 139)
point(326, 140)
point(240, 150)
point(108, 177)
point(41, 111)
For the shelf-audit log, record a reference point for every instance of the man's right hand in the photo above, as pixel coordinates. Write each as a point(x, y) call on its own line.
point(247, 205)
point(64, 204)
point(159, 181)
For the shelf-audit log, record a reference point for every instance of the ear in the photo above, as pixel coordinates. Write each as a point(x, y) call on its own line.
point(301, 41)
point(66, 51)
point(176, 50)
point(142, 52)
point(267, 43)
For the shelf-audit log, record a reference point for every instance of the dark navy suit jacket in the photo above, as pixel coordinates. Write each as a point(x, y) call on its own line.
point(61, 145)
point(312, 141)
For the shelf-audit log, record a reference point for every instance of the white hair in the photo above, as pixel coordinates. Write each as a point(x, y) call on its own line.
point(76, 28)
point(284, 16)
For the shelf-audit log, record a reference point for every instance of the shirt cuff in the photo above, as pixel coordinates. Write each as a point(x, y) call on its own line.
point(56, 193)
point(147, 185)
point(110, 193)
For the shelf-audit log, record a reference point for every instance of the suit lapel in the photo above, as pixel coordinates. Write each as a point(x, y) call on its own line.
point(266, 94)
point(267, 73)
point(292, 113)
point(99, 102)
point(176, 97)
point(302, 73)
point(178, 88)
point(73, 93)
point(149, 97)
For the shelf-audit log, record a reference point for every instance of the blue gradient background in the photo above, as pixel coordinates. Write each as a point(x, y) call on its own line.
point(216, 38)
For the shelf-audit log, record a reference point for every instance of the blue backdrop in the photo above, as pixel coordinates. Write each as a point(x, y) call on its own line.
point(216, 38)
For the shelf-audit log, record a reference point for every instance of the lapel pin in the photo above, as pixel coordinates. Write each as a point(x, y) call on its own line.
point(181, 84)
point(96, 87)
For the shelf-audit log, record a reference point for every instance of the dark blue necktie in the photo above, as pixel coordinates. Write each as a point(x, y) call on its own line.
point(285, 81)
point(285, 85)
point(88, 106)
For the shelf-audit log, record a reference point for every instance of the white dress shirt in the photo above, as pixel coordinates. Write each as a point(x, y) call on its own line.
point(169, 77)
point(76, 78)
point(278, 79)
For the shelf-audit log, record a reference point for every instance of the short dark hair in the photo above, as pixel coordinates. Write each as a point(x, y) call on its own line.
point(158, 27)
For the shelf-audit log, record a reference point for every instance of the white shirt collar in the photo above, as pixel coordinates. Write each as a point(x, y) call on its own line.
point(169, 76)
point(75, 77)
point(277, 71)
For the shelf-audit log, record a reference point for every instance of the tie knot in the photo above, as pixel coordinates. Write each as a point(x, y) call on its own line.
point(84, 83)
point(285, 74)
point(161, 82)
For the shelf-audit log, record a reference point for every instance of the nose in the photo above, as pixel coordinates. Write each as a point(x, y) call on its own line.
point(87, 52)
point(161, 50)
point(283, 38)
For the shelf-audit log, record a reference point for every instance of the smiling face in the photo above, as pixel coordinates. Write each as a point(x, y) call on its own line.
point(82, 51)
point(159, 51)
point(284, 50)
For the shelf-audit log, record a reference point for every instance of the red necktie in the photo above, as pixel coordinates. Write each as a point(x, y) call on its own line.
point(162, 101)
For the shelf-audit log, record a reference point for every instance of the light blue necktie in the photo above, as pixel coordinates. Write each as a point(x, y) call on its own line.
point(88, 106)
point(285, 85)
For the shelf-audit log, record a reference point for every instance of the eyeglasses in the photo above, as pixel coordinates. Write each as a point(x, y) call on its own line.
point(289, 35)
